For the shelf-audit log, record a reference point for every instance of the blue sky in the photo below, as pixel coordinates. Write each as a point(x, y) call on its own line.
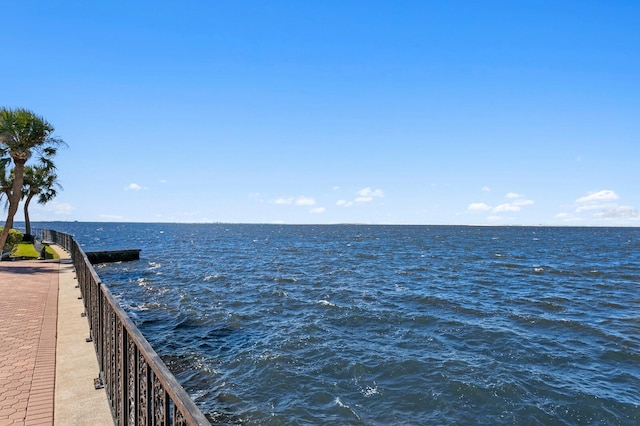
point(401, 112)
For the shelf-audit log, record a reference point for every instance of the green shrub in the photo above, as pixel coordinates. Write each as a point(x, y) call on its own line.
point(14, 238)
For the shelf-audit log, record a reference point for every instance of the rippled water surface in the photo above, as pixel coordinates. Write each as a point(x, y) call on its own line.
point(377, 325)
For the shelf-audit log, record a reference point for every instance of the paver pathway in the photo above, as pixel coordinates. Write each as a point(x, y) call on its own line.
point(28, 321)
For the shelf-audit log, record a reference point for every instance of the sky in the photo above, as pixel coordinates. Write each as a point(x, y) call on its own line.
point(377, 112)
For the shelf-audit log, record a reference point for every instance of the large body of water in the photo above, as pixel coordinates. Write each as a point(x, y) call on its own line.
point(380, 325)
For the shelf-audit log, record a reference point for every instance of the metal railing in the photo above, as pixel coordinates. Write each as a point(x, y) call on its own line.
point(140, 388)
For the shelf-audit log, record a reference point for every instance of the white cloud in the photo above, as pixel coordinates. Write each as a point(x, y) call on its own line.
point(485, 189)
point(365, 195)
point(523, 202)
point(514, 203)
point(602, 205)
point(601, 200)
point(596, 197)
point(478, 207)
point(506, 207)
point(518, 201)
point(370, 193)
point(305, 201)
point(134, 187)
point(317, 210)
point(620, 212)
point(363, 199)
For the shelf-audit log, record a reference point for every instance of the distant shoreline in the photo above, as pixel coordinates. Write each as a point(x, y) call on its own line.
point(19, 224)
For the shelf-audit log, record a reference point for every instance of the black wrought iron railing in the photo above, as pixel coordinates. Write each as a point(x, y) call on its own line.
point(139, 386)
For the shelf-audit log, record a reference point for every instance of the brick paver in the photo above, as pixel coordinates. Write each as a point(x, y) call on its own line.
point(28, 323)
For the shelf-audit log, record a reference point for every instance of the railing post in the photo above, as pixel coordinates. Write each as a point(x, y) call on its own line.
point(124, 375)
point(99, 341)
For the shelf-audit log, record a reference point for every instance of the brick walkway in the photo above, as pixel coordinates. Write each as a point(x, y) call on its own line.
point(28, 322)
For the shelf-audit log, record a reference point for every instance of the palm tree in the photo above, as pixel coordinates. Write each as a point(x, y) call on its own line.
point(41, 181)
point(23, 133)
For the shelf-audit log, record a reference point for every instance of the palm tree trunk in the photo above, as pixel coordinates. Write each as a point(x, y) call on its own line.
point(27, 222)
point(14, 199)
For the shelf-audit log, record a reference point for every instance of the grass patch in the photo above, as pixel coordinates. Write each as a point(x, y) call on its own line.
point(25, 250)
point(28, 251)
point(51, 254)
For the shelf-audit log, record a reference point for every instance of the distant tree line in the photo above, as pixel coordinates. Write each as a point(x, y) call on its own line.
point(25, 137)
